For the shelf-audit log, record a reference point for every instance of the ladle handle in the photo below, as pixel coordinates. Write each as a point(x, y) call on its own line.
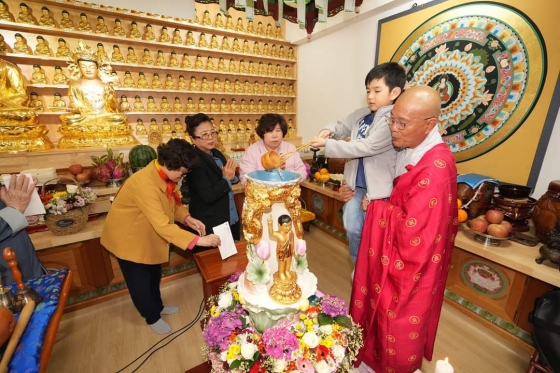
point(285, 156)
point(10, 257)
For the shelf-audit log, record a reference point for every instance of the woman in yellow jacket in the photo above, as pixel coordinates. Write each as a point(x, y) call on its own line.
point(141, 225)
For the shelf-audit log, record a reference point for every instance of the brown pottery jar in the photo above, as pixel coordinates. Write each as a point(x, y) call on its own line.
point(546, 215)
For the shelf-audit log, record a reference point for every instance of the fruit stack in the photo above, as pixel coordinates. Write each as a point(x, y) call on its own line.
point(492, 224)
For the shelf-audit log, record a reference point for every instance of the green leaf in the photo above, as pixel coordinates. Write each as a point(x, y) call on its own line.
point(256, 356)
point(343, 321)
point(324, 319)
point(235, 364)
point(243, 322)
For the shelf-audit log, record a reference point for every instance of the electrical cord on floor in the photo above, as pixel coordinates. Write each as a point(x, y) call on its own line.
point(175, 334)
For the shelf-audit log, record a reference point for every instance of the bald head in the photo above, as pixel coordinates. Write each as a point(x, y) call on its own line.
point(422, 98)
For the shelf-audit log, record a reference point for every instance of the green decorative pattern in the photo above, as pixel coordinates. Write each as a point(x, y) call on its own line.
point(327, 227)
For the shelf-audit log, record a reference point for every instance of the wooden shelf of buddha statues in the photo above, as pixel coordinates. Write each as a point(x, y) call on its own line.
point(181, 113)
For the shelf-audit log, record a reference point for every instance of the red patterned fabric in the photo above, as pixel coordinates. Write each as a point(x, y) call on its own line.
point(403, 262)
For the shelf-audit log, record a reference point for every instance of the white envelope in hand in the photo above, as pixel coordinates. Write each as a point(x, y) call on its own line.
point(35, 206)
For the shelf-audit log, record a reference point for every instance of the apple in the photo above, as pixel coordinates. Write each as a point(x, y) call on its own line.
point(83, 176)
point(479, 225)
point(507, 224)
point(75, 169)
point(498, 230)
point(494, 216)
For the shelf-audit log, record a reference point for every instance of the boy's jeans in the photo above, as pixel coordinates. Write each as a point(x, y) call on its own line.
point(353, 219)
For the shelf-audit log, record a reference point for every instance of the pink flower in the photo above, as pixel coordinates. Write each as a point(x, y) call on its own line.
point(304, 366)
point(263, 250)
point(301, 247)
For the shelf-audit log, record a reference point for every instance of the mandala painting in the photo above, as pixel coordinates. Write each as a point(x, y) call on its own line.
point(488, 63)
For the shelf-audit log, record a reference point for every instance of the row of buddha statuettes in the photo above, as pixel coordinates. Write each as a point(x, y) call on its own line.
point(43, 49)
point(66, 22)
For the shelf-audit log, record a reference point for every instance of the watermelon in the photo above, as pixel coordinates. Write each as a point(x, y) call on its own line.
point(140, 156)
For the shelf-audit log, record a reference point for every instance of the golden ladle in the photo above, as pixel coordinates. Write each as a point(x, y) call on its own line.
point(271, 159)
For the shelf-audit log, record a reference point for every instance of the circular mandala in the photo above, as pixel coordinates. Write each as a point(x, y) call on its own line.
point(482, 66)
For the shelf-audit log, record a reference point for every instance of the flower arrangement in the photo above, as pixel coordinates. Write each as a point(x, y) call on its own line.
point(109, 166)
point(319, 337)
point(59, 203)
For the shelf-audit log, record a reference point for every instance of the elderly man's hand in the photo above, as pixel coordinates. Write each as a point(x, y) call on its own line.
point(365, 203)
point(19, 194)
point(345, 193)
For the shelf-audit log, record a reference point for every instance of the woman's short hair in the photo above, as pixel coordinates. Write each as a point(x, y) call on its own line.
point(177, 153)
point(268, 122)
point(193, 121)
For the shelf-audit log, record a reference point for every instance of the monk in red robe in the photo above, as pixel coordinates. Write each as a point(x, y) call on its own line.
point(407, 242)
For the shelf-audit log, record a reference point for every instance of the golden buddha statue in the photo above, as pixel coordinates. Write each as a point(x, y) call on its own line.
point(147, 57)
point(142, 81)
point(138, 105)
point(94, 119)
point(202, 42)
point(291, 55)
point(260, 106)
point(283, 90)
point(240, 125)
point(182, 84)
point(59, 78)
point(160, 59)
point(214, 42)
point(252, 69)
point(279, 107)
point(233, 107)
point(198, 64)
point(140, 128)
point(166, 127)
point(225, 44)
point(57, 103)
point(287, 106)
point(63, 50)
point(224, 107)
point(256, 49)
point(193, 85)
point(190, 107)
point(164, 36)
point(287, 71)
point(173, 60)
point(206, 21)
point(270, 106)
point(186, 62)
point(237, 87)
point(131, 56)
point(217, 86)
point(190, 38)
point(229, 23)
point(19, 125)
point(4, 47)
point(265, 88)
point(266, 50)
point(260, 29)
point(252, 107)
point(222, 64)
point(247, 87)
point(46, 20)
point(154, 126)
point(100, 53)
point(124, 105)
point(273, 51)
point(178, 127)
point(274, 90)
point(249, 125)
point(177, 39)
point(42, 48)
point(24, 15)
point(239, 26)
point(66, 23)
point(270, 69)
point(231, 135)
point(261, 70)
point(149, 33)
point(291, 91)
point(5, 14)
point(243, 106)
point(281, 52)
point(235, 47)
point(291, 131)
point(242, 67)
point(115, 81)
point(134, 31)
point(164, 106)
point(210, 64)
point(117, 55)
point(101, 28)
point(257, 88)
point(269, 31)
point(35, 102)
point(118, 30)
point(202, 105)
point(156, 82)
point(204, 85)
point(278, 34)
point(246, 48)
point(128, 81)
point(169, 82)
point(177, 105)
point(214, 108)
point(250, 27)
point(232, 68)
point(227, 86)
point(219, 22)
point(84, 24)
point(38, 76)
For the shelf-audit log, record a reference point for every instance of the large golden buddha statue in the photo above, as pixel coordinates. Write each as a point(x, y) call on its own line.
point(93, 120)
point(19, 125)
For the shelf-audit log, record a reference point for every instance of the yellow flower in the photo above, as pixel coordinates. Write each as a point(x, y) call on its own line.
point(304, 305)
point(241, 299)
point(233, 351)
point(60, 194)
point(302, 316)
point(327, 342)
point(299, 334)
point(310, 328)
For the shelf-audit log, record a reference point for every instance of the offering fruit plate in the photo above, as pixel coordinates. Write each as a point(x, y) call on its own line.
point(486, 239)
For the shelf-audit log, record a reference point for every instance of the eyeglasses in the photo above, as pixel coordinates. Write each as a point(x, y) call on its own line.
point(207, 135)
point(391, 121)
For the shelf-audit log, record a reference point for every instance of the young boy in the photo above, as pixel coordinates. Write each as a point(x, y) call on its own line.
point(370, 168)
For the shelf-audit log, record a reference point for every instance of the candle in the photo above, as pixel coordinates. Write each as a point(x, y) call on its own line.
point(443, 366)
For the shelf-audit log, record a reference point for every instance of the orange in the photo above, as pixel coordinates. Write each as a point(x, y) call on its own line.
point(324, 171)
point(459, 203)
point(317, 175)
point(463, 216)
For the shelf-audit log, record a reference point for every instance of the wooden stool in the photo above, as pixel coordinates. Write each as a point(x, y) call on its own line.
point(535, 365)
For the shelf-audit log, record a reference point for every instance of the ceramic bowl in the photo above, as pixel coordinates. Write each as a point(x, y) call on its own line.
point(514, 191)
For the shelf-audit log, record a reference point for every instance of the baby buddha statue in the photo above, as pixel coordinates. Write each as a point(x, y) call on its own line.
point(149, 33)
point(247, 89)
point(140, 128)
point(235, 47)
point(58, 102)
point(260, 29)
point(164, 106)
point(186, 62)
point(273, 51)
point(177, 105)
point(128, 81)
point(237, 87)
point(24, 15)
point(214, 108)
point(233, 107)
point(291, 55)
point(117, 55)
point(142, 81)
point(283, 89)
point(169, 83)
point(151, 107)
point(202, 105)
point(193, 85)
point(4, 47)
point(190, 107)
point(243, 106)
point(225, 44)
point(256, 49)
point(166, 127)
point(190, 38)
point(84, 25)
point(182, 84)
point(134, 31)
point(228, 88)
point(214, 42)
point(242, 67)
point(260, 106)
point(250, 27)
point(101, 28)
point(274, 89)
point(177, 39)
point(224, 107)
point(173, 60)
point(204, 85)
point(219, 22)
point(46, 20)
point(156, 82)
point(118, 30)
point(279, 106)
point(160, 59)
point(229, 23)
point(63, 50)
point(257, 88)
point(202, 42)
point(252, 107)
point(222, 64)
point(210, 64)
point(66, 23)
point(266, 50)
point(261, 70)
point(5, 14)
point(94, 119)
point(217, 86)
point(131, 56)
point(198, 64)
point(42, 48)
point(287, 71)
point(279, 33)
point(115, 81)
point(287, 106)
point(164, 37)
point(100, 52)
point(38, 76)
point(246, 48)
point(270, 106)
point(281, 53)
point(239, 25)
point(291, 91)
point(147, 58)
point(270, 69)
point(59, 78)
point(269, 31)
point(265, 88)
point(124, 105)
point(138, 105)
point(206, 21)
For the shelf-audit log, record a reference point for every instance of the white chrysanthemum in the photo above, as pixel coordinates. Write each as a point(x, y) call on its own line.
point(248, 350)
point(280, 365)
point(311, 339)
point(322, 367)
point(338, 352)
point(327, 329)
point(225, 299)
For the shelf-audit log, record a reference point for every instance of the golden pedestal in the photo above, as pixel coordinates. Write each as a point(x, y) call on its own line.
point(285, 291)
point(24, 139)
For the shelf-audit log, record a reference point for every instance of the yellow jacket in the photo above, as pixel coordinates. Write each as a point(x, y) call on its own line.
point(140, 224)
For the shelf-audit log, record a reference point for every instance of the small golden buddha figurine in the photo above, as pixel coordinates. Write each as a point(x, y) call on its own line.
point(100, 52)
point(234, 108)
point(173, 60)
point(246, 48)
point(117, 55)
point(239, 26)
point(214, 108)
point(273, 51)
point(252, 69)
point(265, 88)
point(252, 107)
point(63, 50)
point(235, 47)
point(247, 87)
point(260, 29)
point(281, 52)
point(84, 25)
point(283, 90)
point(166, 127)
point(177, 105)
point(190, 107)
point(291, 91)
point(151, 106)
point(224, 108)
point(270, 69)
point(35, 102)
point(38, 76)
point(229, 23)
point(202, 105)
point(177, 39)
point(287, 71)
point(149, 33)
point(250, 27)
point(260, 106)
point(169, 83)
point(128, 81)
point(66, 23)
point(279, 107)
point(217, 86)
point(210, 64)
point(138, 105)
point(160, 59)
point(257, 88)
point(134, 31)
point(124, 105)
point(261, 70)
point(222, 64)
point(154, 126)
point(101, 28)
point(232, 68)
point(193, 85)
point(241, 125)
point(270, 106)
point(115, 81)
point(214, 42)
point(182, 84)
point(198, 64)
point(59, 78)
point(164, 106)
point(118, 30)
point(42, 48)
point(274, 89)
point(204, 85)
point(206, 21)
point(131, 56)
point(202, 42)
point(231, 125)
point(291, 130)
point(256, 49)
point(186, 62)
point(242, 67)
point(219, 22)
point(228, 88)
point(190, 38)
point(164, 37)
point(237, 87)
point(4, 47)
point(266, 50)
point(291, 54)
point(225, 44)
point(156, 82)
point(58, 102)
point(287, 106)
point(147, 58)
point(5, 14)
point(24, 15)
point(249, 125)
point(142, 81)
point(243, 106)
point(46, 20)
point(278, 34)
point(140, 128)
point(196, 19)
point(269, 31)
point(178, 126)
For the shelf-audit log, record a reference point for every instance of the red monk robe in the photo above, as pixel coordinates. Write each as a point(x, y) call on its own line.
point(403, 262)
